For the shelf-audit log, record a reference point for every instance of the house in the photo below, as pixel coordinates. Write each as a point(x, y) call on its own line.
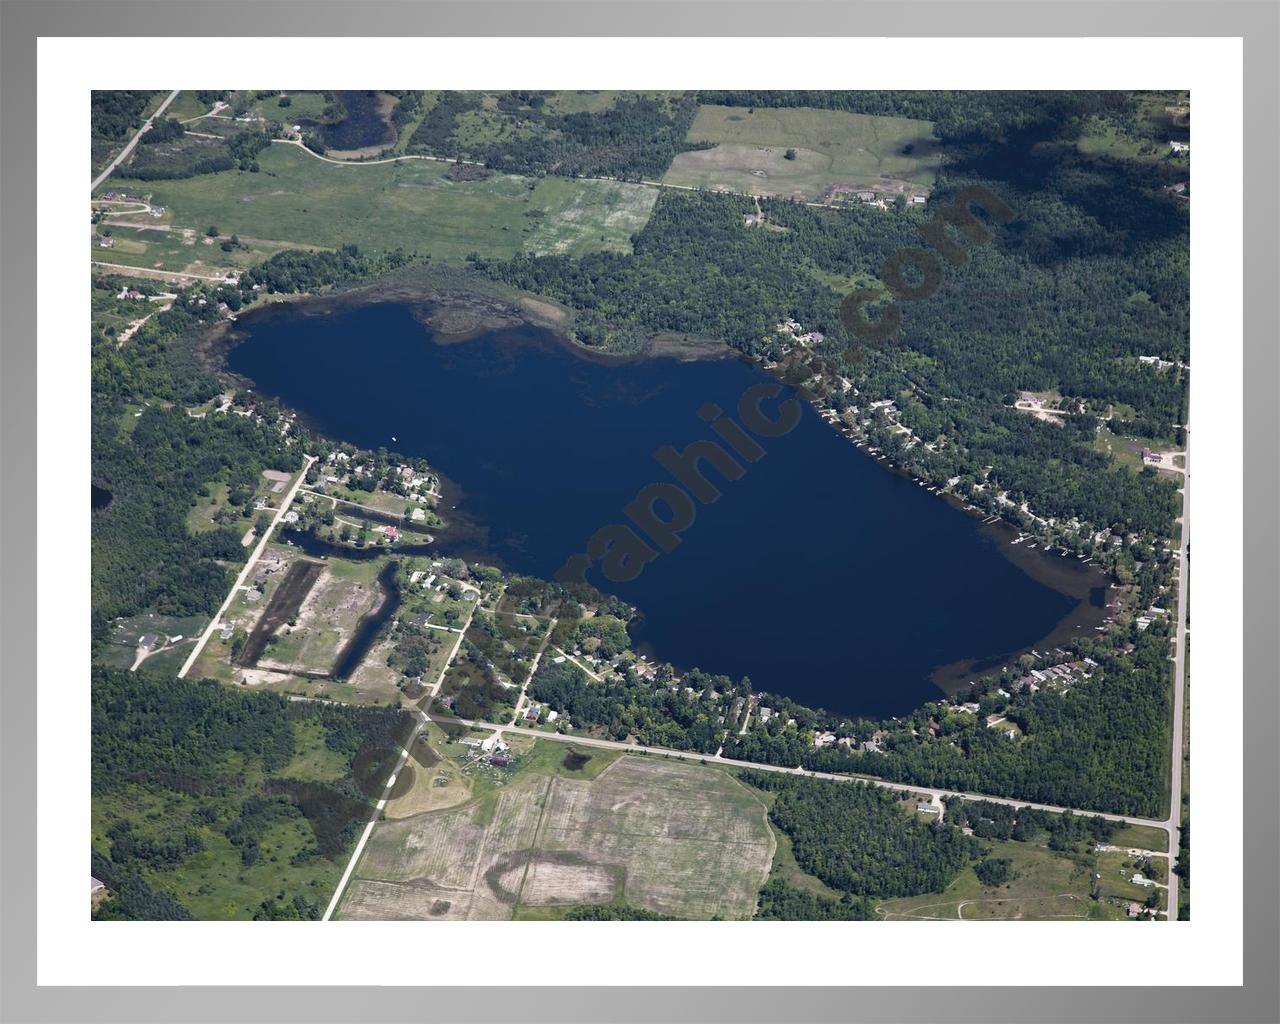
point(918, 200)
point(418, 515)
point(532, 714)
point(471, 741)
point(552, 715)
point(928, 809)
point(824, 739)
point(148, 641)
point(865, 197)
point(106, 242)
point(488, 742)
point(1179, 147)
point(1142, 880)
point(500, 760)
point(392, 533)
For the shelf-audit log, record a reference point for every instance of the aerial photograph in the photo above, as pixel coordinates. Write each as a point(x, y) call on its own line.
point(699, 505)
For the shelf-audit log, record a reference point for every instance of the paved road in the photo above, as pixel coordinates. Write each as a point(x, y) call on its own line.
point(248, 567)
point(935, 795)
point(395, 772)
point(1179, 684)
point(133, 141)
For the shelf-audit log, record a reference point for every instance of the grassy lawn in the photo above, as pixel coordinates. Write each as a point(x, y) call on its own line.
point(1116, 870)
point(1147, 141)
point(313, 761)
point(186, 105)
point(831, 147)
point(309, 105)
point(200, 517)
point(1045, 886)
point(552, 757)
point(1141, 837)
point(412, 205)
point(179, 250)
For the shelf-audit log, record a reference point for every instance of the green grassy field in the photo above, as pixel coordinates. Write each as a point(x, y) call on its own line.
point(298, 199)
point(1160, 118)
point(1141, 837)
point(179, 253)
point(831, 147)
point(186, 105)
point(1045, 886)
point(215, 884)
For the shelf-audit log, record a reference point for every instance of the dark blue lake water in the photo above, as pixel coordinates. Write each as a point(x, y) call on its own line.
point(819, 573)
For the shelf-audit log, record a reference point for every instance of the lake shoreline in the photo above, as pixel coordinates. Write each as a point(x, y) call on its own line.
point(455, 314)
point(481, 525)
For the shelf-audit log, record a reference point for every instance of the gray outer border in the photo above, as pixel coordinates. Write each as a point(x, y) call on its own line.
point(1257, 22)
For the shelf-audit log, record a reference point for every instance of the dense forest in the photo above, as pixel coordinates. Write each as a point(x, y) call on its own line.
point(1102, 744)
point(859, 839)
point(636, 137)
point(1065, 299)
point(782, 902)
point(116, 113)
point(1065, 831)
point(155, 465)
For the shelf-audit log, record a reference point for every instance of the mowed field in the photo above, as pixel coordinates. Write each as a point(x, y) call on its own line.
point(675, 838)
point(413, 205)
point(832, 147)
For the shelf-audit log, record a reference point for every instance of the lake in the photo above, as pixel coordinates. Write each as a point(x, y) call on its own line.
point(819, 573)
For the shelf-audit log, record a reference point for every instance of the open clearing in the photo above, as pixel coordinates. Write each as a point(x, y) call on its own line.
point(675, 838)
point(1045, 886)
point(326, 620)
point(832, 149)
point(411, 205)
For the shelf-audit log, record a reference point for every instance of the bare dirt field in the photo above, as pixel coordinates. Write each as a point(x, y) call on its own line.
point(829, 149)
point(676, 838)
point(435, 788)
point(325, 622)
